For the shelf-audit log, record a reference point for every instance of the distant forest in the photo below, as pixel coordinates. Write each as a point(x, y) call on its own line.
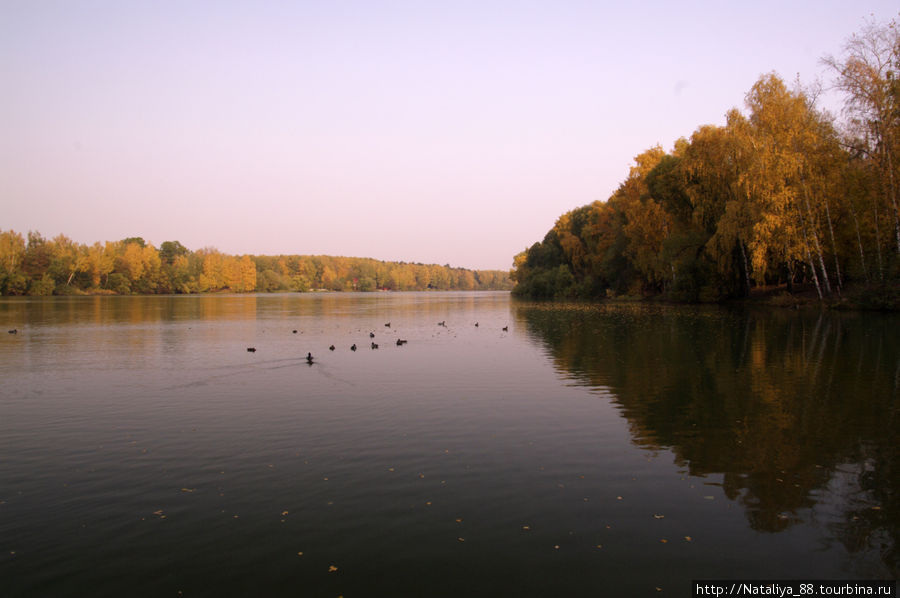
point(60, 266)
point(782, 195)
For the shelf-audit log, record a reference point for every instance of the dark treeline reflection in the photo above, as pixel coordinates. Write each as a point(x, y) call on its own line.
point(797, 411)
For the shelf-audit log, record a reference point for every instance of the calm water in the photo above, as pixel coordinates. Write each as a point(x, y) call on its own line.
point(588, 450)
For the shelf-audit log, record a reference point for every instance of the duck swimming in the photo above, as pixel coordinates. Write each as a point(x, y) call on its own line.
point(251, 349)
point(331, 348)
point(309, 358)
point(353, 347)
point(400, 342)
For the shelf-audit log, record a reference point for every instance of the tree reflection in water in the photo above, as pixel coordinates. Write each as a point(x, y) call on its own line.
point(797, 411)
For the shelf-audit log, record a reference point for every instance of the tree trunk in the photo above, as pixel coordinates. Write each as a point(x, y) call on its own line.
point(862, 254)
point(837, 264)
point(878, 245)
point(810, 221)
point(746, 266)
point(812, 264)
point(892, 189)
point(812, 267)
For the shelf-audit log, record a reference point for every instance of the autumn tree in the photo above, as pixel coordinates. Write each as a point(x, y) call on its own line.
point(868, 75)
point(12, 254)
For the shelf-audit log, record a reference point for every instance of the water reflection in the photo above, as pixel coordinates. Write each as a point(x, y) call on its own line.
point(797, 411)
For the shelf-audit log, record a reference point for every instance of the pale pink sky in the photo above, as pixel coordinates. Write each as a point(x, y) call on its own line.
point(436, 132)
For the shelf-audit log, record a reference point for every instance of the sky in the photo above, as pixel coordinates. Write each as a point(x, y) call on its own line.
point(434, 132)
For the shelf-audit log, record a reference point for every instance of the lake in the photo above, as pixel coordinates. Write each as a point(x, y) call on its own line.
point(521, 449)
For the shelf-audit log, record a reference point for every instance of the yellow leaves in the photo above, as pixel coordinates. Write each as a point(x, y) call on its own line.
point(646, 161)
point(12, 250)
point(133, 262)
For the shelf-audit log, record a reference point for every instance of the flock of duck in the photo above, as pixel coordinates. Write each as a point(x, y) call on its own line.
point(311, 360)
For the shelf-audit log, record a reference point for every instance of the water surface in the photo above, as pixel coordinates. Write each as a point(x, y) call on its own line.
point(588, 449)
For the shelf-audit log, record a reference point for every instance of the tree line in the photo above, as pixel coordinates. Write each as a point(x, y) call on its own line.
point(782, 194)
point(34, 265)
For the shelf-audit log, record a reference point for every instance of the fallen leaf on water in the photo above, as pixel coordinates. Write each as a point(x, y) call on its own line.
point(188, 489)
point(332, 568)
point(618, 498)
point(283, 513)
point(688, 539)
point(599, 546)
point(461, 539)
point(526, 527)
point(159, 512)
point(709, 497)
point(658, 516)
point(299, 554)
point(556, 547)
point(459, 519)
point(663, 540)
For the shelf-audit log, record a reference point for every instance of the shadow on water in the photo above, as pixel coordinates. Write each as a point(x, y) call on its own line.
point(798, 412)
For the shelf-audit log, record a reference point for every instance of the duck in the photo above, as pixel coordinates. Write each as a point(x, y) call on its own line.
point(371, 335)
point(353, 347)
point(309, 358)
point(506, 329)
point(331, 348)
point(294, 331)
point(388, 324)
point(400, 342)
point(374, 345)
point(251, 349)
point(476, 324)
point(13, 331)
